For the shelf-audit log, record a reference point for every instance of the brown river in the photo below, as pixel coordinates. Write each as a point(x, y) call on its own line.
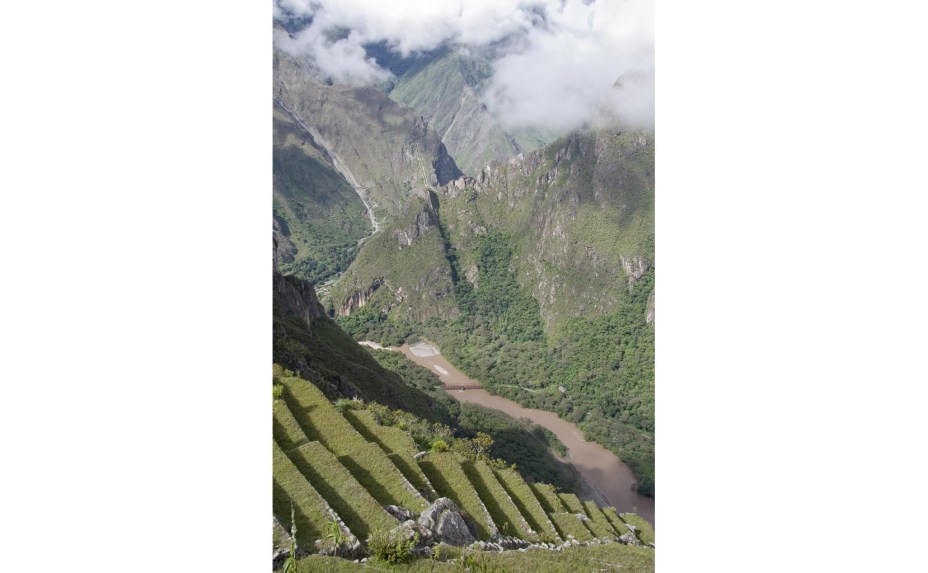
point(611, 481)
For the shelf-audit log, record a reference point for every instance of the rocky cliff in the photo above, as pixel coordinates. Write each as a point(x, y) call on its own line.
point(293, 296)
point(579, 215)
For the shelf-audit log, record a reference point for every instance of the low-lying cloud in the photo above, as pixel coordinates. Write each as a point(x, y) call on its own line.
point(567, 63)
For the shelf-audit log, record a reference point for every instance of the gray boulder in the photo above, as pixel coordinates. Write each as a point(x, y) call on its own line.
point(401, 513)
point(409, 530)
point(444, 518)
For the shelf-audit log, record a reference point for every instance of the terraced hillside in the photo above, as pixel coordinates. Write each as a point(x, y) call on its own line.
point(346, 478)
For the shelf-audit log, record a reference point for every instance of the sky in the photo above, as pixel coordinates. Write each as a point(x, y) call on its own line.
point(566, 63)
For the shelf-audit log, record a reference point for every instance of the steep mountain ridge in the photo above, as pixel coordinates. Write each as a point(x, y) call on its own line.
point(578, 217)
point(383, 149)
point(402, 270)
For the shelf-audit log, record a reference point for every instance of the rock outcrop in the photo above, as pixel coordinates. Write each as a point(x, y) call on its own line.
point(295, 296)
point(359, 298)
point(445, 520)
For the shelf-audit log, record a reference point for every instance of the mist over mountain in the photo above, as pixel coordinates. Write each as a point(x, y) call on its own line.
point(556, 66)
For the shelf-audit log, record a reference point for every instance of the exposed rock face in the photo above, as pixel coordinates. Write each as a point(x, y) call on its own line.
point(295, 296)
point(634, 266)
point(357, 299)
point(444, 518)
point(445, 168)
point(286, 250)
point(410, 530)
point(425, 220)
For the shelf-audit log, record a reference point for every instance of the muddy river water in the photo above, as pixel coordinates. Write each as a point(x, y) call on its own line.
point(602, 470)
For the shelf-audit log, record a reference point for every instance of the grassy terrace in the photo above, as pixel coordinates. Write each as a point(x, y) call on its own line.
point(312, 513)
point(600, 531)
point(572, 503)
point(446, 474)
point(548, 498)
point(501, 507)
point(615, 520)
point(597, 515)
point(360, 512)
point(397, 444)
point(525, 500)
point(609, 557)
point(287, 431)
point(321, 421)
point(645, 531)
point(570, 524)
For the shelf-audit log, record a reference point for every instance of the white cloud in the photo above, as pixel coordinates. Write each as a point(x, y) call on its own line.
point(561, 74)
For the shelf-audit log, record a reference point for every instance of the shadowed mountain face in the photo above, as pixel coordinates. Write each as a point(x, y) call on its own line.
point(318, 218)
point(383, 149)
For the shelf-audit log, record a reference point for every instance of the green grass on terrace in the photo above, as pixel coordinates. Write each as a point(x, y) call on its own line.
point(617, 523)
point(287, 431)
point(360, 512)
point(321, 421)
point(501, 507)
point(597, 515)
point(445, 472)
point(548, 498)
point(526, 501)
point(645, 531)
point(397, 444)
point(570, 524)
point(599, 530)
point(311, 512)
point(572, 503)
point(412, 472)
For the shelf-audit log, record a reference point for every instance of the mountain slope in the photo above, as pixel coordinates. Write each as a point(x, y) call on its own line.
point(383, 149)
point(447, 90)
point(579, 217)
point(551, 262)
point(401, 272)
point(318, 218)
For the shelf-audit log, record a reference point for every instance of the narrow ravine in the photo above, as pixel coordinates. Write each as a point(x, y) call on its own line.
point(320, 143)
